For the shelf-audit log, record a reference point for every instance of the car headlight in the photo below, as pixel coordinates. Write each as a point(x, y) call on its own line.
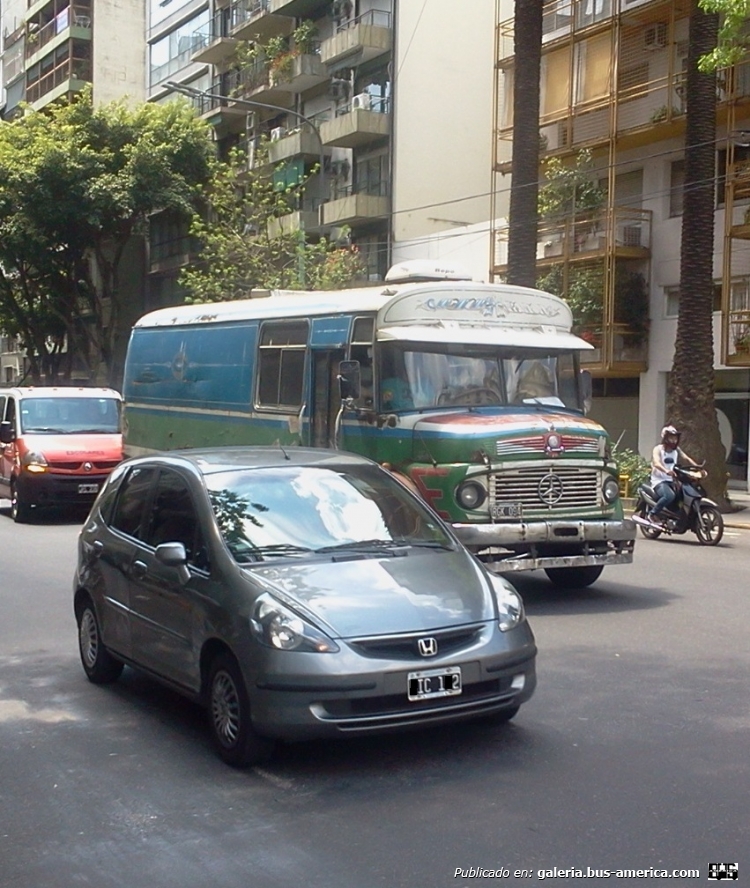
point(470, 495)
point(34, 462)
point(277, 626)
point(509, 604)
point(610, 490)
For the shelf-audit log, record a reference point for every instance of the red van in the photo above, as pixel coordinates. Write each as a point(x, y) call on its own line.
point(57, 445)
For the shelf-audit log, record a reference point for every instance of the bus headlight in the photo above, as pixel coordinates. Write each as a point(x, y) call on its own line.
point(610, 490)
point(34, 462)
point(470, 495)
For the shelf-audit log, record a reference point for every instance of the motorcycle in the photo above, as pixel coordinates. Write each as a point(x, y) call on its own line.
point(691, 510)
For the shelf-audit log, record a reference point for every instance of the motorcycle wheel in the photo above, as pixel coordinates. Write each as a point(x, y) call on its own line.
point(709, 526)
point(651, 533)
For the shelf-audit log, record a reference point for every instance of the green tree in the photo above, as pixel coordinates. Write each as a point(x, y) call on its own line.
point(77, 183)
point(733, 38)
point(244, 246)
point(691, 390)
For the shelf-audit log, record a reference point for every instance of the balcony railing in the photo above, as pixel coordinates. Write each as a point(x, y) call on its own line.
point(630, 230)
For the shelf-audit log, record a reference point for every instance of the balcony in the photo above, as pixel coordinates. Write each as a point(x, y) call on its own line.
point(73, 21)
point(362, 120)
point(253, 20)
point(351, 207)
point(586, 238)
point(299, 142)
point(359, 40)
point(214, 45)
point(305, 220)
point(296, 73)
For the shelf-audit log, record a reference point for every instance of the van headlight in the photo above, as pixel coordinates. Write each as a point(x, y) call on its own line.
point(509, 605)
point(610, 490)
point(278, 627)
point(34, 462)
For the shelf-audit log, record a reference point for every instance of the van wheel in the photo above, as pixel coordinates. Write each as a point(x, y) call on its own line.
point(98, 664)
point(574, 577)
point(20, 511)
point(229, 714)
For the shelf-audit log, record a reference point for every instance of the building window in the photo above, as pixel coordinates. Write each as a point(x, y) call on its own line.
point(676, 187)
point(174, 51)
point(672, 299)
point(741, 158)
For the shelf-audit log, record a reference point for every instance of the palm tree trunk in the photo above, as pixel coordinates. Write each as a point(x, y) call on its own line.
point(524, 214)
point(690, 396)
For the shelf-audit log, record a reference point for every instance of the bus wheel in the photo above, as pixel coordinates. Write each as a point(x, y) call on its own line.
point(574, 577)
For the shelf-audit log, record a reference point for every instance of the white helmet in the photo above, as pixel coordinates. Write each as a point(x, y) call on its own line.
point(670, 432)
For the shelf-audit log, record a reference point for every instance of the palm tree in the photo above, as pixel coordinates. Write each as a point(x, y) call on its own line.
point(524, 214)
point(690, 395)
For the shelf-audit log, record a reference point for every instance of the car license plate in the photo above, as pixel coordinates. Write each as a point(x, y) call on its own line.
point(506, 510)
point(428, 683)
point(88, 488)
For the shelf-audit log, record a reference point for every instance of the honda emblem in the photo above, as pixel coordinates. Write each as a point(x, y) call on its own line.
point(428, 647)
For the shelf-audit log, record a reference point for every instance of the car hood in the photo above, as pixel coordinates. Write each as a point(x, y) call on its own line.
point(425, 590)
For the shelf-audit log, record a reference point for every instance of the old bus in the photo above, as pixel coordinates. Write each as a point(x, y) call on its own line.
point(471, 392)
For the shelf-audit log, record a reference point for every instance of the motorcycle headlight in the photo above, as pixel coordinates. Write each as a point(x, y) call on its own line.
point(509, 605)
point(610, 490)
point(278, 627)
point(34, 462)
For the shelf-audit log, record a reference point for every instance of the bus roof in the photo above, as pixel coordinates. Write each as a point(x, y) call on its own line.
point(430, 311)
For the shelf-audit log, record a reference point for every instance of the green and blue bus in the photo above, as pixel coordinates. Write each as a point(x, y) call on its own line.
point(472, 393)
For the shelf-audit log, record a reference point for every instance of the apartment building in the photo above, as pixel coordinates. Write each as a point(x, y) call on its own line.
point(613, 84)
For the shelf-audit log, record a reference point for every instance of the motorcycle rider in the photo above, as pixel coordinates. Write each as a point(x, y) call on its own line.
point(665, 457)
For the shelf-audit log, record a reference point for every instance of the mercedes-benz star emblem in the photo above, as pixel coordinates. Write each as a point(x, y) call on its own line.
point(550, 489)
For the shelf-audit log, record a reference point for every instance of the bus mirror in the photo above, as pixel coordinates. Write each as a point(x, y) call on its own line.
point(349, 380)
point(586, 391)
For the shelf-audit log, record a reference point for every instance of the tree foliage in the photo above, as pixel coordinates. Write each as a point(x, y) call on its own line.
point(244, 244)
point(733, 40)
point(76, 184)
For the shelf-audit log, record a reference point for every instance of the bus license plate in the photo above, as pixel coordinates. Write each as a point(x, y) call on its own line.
point(506, 510)
point(88, 488)
point(430, 683)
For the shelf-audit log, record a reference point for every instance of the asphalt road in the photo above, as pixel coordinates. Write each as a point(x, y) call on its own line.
point(633, 753)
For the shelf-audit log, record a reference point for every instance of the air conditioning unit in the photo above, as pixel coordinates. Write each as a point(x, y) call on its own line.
point(361, 102)
point(339, 89)
point(278, 132)
point(655, 36)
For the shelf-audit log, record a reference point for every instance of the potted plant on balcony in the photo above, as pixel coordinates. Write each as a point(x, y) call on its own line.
point(304, 36)
point(742, 342)
point(570, 197)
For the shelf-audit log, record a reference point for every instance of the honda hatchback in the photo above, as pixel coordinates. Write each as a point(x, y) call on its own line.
point(296, 593)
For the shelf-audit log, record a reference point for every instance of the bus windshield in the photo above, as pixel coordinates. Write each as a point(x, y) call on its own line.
point(421, 378)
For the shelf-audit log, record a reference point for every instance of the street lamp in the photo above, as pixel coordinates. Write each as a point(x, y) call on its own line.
point(194, 93)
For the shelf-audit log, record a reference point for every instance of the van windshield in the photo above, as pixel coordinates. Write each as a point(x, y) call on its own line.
point(70, 415)
point(421, 378)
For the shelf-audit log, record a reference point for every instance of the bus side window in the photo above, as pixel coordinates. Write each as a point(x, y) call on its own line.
point(361, 350)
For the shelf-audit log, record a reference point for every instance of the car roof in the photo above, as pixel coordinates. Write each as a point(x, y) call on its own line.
point(220, 459)
point(62, 391)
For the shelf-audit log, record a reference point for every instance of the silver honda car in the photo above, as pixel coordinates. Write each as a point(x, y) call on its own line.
point(296, 593)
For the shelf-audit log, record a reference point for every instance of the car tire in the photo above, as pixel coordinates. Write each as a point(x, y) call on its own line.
point(20, 510)
point(574, 577)
point(233, 734)
point(98, 664)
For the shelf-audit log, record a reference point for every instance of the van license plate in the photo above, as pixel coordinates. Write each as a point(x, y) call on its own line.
point(430, 683)
point(88, 488)
point(506, 510)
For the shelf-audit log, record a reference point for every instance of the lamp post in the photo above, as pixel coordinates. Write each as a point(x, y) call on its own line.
point(194, 93)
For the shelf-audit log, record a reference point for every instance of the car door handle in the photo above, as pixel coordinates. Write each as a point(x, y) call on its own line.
point(98, 547)
point(138, 569)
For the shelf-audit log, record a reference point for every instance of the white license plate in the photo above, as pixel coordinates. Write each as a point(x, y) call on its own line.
point(506, 510)
point(88, 488)
point(428, 683)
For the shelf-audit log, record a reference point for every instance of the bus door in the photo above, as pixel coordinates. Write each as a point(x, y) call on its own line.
point(328, 343)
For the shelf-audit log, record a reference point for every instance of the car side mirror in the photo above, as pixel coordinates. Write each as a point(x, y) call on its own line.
point(6, 432)
point(174, 555)
point(350, 381)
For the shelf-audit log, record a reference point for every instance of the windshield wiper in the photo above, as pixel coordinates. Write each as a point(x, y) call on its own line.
point(45, 429)
point(257, 552)
point(363, 544)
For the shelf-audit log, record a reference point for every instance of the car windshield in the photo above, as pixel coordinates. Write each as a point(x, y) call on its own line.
point(294, 510)
point(70, 415)
point(421, 378)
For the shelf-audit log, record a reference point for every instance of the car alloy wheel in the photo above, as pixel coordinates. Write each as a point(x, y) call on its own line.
point(98, 664)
